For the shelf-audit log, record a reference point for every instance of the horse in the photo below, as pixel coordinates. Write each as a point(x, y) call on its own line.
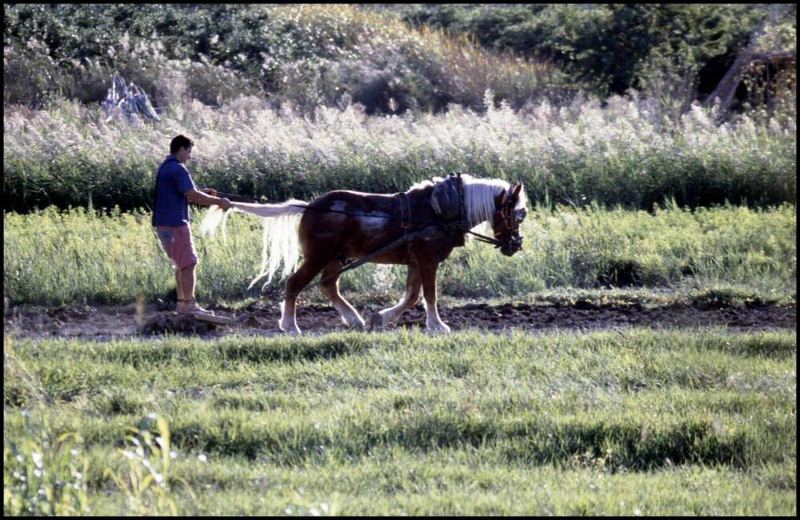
point(418, 228)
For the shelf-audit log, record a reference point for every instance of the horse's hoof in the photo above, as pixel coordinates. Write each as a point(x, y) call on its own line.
point(292, 330)
point(375, 322)
point(439, 328)
point(358, 323)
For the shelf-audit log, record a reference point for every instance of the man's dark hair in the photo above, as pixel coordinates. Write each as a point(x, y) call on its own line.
point(179, 142)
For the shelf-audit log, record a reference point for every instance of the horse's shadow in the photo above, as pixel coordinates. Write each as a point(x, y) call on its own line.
point(286, 349)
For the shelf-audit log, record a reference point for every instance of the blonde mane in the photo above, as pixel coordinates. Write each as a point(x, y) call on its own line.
point(479, 195)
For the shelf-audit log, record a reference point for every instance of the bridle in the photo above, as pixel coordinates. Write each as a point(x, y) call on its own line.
point(510, 239)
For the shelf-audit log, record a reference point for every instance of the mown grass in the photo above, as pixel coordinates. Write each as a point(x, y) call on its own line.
point(668, 422)
point(622, 153)
point(734, 253)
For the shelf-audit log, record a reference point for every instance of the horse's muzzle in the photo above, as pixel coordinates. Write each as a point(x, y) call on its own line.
point(512, 245)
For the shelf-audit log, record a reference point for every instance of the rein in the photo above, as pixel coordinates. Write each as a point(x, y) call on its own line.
point(238, 198)
point(241, 198)
point(437, 223)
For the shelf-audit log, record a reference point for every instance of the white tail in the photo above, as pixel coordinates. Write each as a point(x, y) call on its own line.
point(280, 233)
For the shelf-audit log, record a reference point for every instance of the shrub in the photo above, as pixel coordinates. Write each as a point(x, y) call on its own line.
point(300, 54)
point(610, 46)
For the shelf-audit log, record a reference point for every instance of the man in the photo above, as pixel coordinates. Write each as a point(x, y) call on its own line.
point(175, 189)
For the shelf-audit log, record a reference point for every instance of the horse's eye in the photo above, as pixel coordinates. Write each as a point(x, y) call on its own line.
point(521, 215)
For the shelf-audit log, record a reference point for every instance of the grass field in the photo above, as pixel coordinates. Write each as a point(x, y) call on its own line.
point(57, 258)
point(625, 422)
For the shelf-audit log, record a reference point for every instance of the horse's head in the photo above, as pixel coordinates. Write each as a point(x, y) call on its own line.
point(508, 215)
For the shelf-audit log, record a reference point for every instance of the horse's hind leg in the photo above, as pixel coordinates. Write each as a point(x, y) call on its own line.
point(410, 298)
point(329, 284)
point(295, 284)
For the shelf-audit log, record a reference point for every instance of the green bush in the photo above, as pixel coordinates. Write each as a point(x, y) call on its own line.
point(610, 45)
point(305, 55)
point(310, 54)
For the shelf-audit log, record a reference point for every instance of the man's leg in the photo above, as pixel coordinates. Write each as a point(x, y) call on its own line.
point(187, 257)
point(188, 280)
point(179, 288)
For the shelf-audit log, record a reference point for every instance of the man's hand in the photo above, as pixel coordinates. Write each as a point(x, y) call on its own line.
point(224, 203)
point(204, 198)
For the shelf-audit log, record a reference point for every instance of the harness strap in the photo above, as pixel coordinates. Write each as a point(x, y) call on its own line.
point(462, 202)
point(484, 238)
point(406, 237)
point(405, 212)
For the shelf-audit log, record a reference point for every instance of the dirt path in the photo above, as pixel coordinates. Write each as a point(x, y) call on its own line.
point(109, 322)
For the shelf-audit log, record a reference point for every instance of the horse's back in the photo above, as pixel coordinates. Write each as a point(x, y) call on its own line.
point(348, 223)
point(355, 199)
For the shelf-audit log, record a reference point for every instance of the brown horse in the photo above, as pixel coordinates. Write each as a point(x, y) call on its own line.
point(418, 228)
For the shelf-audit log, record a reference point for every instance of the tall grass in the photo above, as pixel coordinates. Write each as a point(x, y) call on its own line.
point(44, 474)
point(622, 153)
point(604, 423)
point(53, 257)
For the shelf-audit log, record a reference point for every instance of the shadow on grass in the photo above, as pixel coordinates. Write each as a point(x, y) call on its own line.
point(611, 447)
point(287, 350)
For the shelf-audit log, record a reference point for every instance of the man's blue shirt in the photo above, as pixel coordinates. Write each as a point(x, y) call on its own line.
point(172, 182)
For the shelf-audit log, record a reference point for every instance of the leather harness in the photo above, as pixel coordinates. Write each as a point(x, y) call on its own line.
point(457, 226)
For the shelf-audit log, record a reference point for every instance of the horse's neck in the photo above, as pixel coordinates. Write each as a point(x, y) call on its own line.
point(479, 200)
point(479, 197)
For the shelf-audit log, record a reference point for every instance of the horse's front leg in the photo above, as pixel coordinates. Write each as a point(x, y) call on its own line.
point(428, 273)
point(410, 298)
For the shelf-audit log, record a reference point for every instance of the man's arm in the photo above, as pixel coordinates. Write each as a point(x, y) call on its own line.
point(198, 197)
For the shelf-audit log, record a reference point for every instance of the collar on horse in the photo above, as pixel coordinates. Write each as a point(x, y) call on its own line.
point(448, 202)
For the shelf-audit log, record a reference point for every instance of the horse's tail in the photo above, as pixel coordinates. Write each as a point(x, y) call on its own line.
point(281, 242)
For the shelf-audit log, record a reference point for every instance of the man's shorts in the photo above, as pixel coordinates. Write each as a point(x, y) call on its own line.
point(177, 242)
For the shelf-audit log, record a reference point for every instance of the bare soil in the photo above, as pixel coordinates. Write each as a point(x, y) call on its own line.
point(112, 322)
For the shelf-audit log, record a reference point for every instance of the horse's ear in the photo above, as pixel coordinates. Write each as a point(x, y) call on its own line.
point(515, 190)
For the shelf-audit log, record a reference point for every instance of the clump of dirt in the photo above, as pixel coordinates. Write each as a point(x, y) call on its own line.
point(261, 318)
point(164, 322)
